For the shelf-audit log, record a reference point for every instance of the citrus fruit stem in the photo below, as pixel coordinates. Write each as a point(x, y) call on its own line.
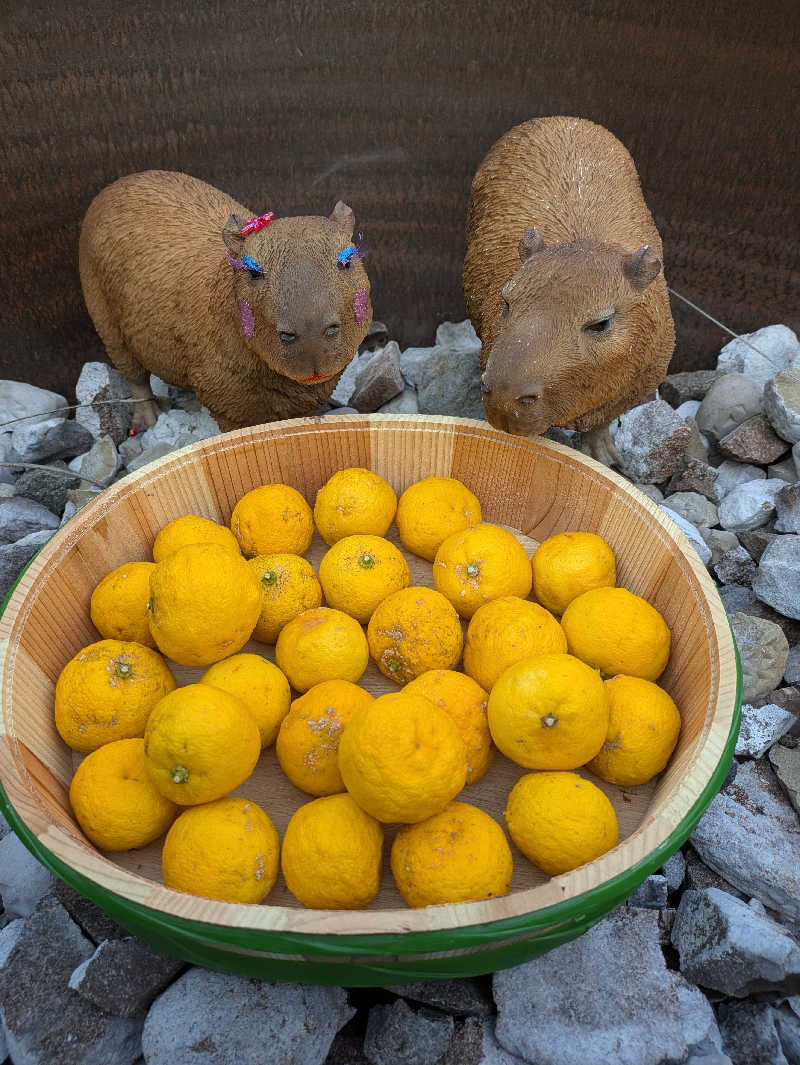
point(179, 774)
point(548, 721)
point(366, 561)
point(472, 570)
point(124, 669)
point(269, 578)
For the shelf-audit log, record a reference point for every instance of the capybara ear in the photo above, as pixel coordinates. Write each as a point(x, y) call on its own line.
point(641, 268)
point(533, 241)
point(232, 235)
point(343, 216)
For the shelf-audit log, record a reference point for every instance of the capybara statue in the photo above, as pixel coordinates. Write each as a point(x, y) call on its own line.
point(563, 281)
point(256, 315)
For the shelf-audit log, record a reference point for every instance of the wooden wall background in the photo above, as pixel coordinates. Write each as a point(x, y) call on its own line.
point(292, 105)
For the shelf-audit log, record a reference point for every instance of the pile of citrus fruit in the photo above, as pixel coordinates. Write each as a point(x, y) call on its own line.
point(560, 681)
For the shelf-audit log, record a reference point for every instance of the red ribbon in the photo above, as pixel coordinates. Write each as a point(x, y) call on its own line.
point(254, 224)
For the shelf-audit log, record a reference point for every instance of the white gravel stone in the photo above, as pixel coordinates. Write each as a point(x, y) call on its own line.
point(346, 385)
point(750, 835)
point(20, 400)
point(782, 403)
point(13, 557)
point(414, 363)
point(791, 672)
point(398, 1035)
point(731, 400)
point(379, 381)
point(406, 403)
point(777, 582)
point(450, 380)
point(202, 1012)
point(19, 517)
point(604, 997)
point(23, 880)
point(104, 386)
point(688, 409)
point(749, 505)
point(787, 507)
point(761, 727)
point(691, 534)
point(719, 541)
point(179, 425)
point(51, 438)
point(694, 507)
point(157, 451)
point(674, 869)
point(796, 457)
point(100, 464)
point(763, 650)
point(651, 440)
point(761, 354)
point(731, 474)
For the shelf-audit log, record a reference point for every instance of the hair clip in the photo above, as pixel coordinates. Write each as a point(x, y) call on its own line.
point(353, 253)
point(246, 263)
point(259, 222)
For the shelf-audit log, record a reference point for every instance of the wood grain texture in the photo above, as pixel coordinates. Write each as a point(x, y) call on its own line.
point(291, 106)
point(534, 487)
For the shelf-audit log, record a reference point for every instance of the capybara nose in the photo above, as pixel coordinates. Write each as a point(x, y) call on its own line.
point(531, 396)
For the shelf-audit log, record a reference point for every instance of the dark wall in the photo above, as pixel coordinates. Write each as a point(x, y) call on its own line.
point(391, 107)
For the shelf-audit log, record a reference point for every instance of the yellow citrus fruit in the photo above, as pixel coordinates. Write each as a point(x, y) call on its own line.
point(615, 631)
point(353, 501)
point(412, 631)
point(477, 565)
point(465, 701)
point(308, 739)
point(226, 850)
point(402, 758)
point(118, 606)
point(270, 519)
point(459, 855)
point(560, 821)
point(331, 854)
point(259, 685)
point(321, 644)
point(642, 732)
point(115, 801)
point(549, 712)
point(288, 587)
point(431, 510)
point(107, 691)
point(199, 744)
point(191, 529)
point(568, 564)
point(204, 603)
point(506, 630)
point(358, 572)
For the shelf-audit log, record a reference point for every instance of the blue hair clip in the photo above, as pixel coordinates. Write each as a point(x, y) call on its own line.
point(252, 265)
point(345, 255)
point(353, 253)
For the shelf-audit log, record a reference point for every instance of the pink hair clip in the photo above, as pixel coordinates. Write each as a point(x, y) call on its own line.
point(254, 224)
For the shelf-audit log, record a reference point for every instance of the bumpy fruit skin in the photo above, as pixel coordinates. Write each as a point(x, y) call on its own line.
point(480, 564)
point(107, 691)
point(118, 606)
point(288, 587)
point(260, 686)
point(331, 854)
point(272, 519)
point(432, 509)
point(354, 501)
point(615, 631)
point(204, 603)
point(568, 564)
point(402, 758)
point(192, 529)
point(308, 739)
point(465, 701)
point(114, 800)
point(412, 631)
point(321, 644)
point(226, 850)
point(560, 821)
point(458, 855)
point(505, 631)
point(199, 744)
point(642, 732)
point(549, 712)
point(359, 572)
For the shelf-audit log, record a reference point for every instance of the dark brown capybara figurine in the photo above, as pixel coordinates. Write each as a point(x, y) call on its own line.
point(257, 316)
point(563, 281)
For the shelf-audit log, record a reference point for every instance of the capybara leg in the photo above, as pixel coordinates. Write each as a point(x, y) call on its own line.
point(599, 444)
point(145, 411)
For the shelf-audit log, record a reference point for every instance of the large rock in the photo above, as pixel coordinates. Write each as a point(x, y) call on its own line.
point(731, 400)
point(179, 428)
point(750, 1035)
point(731, 474)
point(736, 567)
point(100, 464)
point(753, 441)
point(651, 440)
point(407, 402)
point(14, 557)
point(123, 976)
point(694, 507)
point(23, 880)
point(398, 1035)
point(720, 542)
point(786, 763)
point(787, 508)
point(54, 438)
point(782, 404)
point(749, 505)
point(726, 945)
point(761, 727)
point(604, 997)
point(217, 1018)
point(679, 388)
point(103, 390)
point(691, 533)
point(777, 582)
point(761, 354)
point(379, 381)
point(20, 400)
point(695, 475)
point(750, 835)
point(699, 876)
point(763, 650)
point(44, 1021)
point(20, 517)
point(449, 378)
point(346, 385)
point(47, 486)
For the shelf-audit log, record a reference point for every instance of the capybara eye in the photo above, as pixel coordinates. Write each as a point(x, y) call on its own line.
point(602, 326)
point(287, 338)
point(256, 275)
point(332, 330)
point(343, 264)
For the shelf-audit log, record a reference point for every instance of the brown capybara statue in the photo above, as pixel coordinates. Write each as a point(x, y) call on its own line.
point(563, 282)
point(256, 315)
